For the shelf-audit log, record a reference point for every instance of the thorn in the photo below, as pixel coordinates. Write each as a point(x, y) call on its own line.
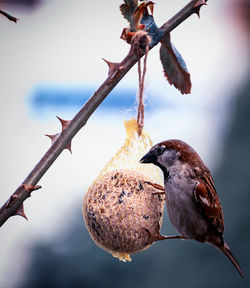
point(69, 148)
point(65, 123)
point(20, 212)
point(200, 3)
point(53, 137)
point(13, 198)
point(30, 188)
point(198, 6)
point(112, 66)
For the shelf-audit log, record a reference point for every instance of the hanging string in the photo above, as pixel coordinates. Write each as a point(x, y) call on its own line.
point(140, 112)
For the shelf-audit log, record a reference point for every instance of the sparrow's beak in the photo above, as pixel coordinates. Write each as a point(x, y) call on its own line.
point(148, 158)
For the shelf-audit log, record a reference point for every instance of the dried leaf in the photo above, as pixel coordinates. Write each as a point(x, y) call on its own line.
point(134, 13)
point(126, 35)
point(151, 7)
point(141, 11)
point(132, 3)
point(152, 29)
point(126, 12)
point(150, 26)
point(174, 66)
point(128, 8)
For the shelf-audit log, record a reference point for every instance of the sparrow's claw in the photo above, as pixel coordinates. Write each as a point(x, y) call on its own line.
point(157, 236)
point(163, 237)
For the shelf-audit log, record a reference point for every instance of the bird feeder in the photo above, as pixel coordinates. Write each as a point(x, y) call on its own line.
point(123, 208)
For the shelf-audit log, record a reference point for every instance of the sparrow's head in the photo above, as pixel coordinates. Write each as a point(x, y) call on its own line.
point(170, 153)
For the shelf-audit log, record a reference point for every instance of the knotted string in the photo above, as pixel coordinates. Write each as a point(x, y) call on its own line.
point(141, 74)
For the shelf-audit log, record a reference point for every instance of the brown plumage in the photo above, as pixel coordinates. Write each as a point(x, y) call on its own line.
point(192, 202)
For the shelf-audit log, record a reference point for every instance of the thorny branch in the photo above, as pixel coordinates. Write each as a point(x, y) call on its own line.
point(61, 141)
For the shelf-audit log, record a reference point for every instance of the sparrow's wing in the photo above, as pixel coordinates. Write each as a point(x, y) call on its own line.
point(208, 202)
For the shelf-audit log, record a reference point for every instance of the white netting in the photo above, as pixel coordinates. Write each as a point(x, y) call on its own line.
point(128, 157)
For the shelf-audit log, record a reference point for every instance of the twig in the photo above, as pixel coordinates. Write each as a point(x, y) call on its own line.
point(9, 16)
point(14, 206)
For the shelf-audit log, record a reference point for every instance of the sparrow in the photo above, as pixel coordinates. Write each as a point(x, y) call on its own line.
point(192, 202)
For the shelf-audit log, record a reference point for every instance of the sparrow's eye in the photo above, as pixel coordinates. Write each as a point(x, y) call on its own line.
point(160, 150)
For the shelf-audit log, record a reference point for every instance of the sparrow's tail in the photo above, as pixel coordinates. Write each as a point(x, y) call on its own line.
point(226, 250)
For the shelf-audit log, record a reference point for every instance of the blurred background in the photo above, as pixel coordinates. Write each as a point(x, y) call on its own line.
point(50, 65)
